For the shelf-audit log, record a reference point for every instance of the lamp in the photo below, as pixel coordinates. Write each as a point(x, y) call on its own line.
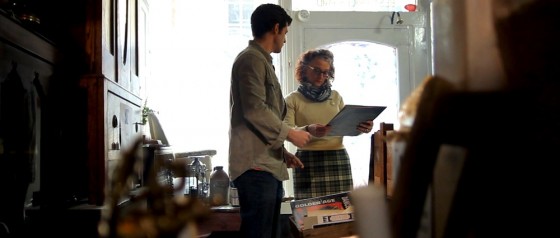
point(196, 184)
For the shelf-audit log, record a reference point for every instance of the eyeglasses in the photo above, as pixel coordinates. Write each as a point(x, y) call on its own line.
point(319, 72)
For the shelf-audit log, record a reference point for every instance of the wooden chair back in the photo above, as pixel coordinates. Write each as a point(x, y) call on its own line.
point(380, 166)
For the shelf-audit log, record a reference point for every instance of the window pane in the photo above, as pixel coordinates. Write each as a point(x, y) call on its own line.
point(352, 5)
point(234, 14)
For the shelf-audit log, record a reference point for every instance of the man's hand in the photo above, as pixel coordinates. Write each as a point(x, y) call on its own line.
point(299, 138)
point(292, 161)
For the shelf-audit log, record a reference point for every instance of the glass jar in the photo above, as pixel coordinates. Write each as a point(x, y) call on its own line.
point(219, 187)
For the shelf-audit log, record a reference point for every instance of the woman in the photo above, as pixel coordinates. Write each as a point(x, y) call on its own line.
point(311, 107)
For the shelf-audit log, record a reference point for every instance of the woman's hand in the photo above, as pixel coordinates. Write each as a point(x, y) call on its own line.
point(365, 126)
point(318, 130)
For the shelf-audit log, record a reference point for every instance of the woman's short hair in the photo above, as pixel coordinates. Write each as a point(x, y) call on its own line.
point(309, 56)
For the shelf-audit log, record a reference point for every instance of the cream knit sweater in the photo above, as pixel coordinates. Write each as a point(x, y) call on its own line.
point(303, 112)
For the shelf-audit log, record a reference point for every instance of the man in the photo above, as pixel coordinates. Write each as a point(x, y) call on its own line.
point(258, 161)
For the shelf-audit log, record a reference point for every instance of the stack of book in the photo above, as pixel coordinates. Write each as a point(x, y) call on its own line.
point(325, 210)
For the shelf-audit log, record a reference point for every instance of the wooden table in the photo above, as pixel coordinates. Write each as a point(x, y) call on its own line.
point(225, 221)
point(222, 219)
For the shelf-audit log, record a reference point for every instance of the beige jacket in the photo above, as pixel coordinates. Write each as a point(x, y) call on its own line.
point(257, 130)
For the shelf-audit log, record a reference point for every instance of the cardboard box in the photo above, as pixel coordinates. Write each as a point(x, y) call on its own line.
point(322, 210)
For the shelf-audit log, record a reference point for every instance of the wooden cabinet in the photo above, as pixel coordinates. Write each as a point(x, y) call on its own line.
point(113, 45)
point(112, 40)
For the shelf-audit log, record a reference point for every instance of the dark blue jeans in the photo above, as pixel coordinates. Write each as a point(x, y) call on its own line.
point(260, 196)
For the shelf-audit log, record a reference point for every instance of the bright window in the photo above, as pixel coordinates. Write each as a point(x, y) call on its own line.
point(192, 47)
point(367, 74)
point(193, 44)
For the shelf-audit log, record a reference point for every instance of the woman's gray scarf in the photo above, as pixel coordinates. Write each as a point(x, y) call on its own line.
point(316, 94)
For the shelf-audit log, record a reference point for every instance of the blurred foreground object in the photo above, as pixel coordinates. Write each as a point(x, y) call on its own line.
point(490, 137)
point(152, 211)
point(372, 212)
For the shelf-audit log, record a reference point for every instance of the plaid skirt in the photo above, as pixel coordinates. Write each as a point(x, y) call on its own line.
point(326, 172)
